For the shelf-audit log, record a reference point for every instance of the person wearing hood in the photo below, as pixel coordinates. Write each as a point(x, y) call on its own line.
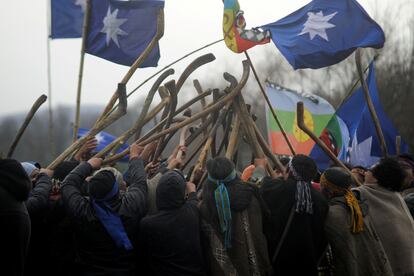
point(106, 221)
point(231, 211)
point(354, 241)
point(295, 226)
point(14, 219)
point(37, 202)
point(170, 239)
point(389, 213)
point(38, 206)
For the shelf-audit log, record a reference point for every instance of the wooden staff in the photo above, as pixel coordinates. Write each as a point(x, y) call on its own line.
point(398, 144)
point(269, 104)
point(319, 142)
point(121, 111)
point(197, 116)
point(81, 65)
point(143, 118)
point(37, 104)
point(137, 63)
point(197, 63)
point(203, 154)
point(233, 137)
point(203, 102)
point(370, 104)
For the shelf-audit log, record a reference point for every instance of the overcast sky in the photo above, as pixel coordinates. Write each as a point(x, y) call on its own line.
point(189, 24)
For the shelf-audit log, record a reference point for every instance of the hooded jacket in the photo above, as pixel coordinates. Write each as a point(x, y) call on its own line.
point(245, 202)
point(170, 239)
point(305, 242)
point(14, 219)
point(97, 253)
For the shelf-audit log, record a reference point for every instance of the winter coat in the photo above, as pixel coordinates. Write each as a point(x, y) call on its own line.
point(248, 254)
point(394, 225)
point(359, 254)
point(14, 218)
point(97, 253)
point(305, 241)
point(170, 239)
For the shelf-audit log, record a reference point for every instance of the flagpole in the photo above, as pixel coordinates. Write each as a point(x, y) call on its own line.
point(370, 104)
point(81, 66)
point(292, 150)
point(49, 81)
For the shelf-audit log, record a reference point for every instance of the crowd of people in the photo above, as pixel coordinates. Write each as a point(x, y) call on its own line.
point(84, 218)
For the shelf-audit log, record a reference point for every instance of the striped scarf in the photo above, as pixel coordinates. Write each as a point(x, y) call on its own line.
point(303, 193)
point(222, 200)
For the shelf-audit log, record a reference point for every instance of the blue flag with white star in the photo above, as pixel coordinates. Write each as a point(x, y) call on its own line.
point(67, 18)
point(362, 144)
point(324, 32)
point(119, 31)
point(104, 139)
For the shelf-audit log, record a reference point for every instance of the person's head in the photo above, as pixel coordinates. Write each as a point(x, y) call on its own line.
point(63, 169)
point(335, 181)
point(407, 164)
point(14, 179)
point(303, 168)
point(105, 184)
point(31, 170)
point(387, 173)
point(170, 193)
point(285, 162)
point(359, 173)
point(220, 168)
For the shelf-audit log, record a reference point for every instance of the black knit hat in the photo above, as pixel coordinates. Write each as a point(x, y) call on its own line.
point(220, 167)
point(63, 169)
point(14, 179)
point(101, 184)
point(170, 191)
point(305, 167)
point(338, 177)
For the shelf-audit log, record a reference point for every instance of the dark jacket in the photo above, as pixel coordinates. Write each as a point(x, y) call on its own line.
point(305, 241)
point(38, 257)
point(97, 253)
point(249, 248)
point(14, 219)
point(170, 240)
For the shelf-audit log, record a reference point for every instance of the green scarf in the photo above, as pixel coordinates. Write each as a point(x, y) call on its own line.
point(221, 197)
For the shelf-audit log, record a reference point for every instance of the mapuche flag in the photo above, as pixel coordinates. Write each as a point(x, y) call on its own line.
point(324, 32)
point(119, 31)
point(236, 37)
point(317, 113)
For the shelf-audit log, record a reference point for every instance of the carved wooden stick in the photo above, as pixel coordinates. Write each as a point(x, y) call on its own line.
point(37, 104)
point(121, 111)
point(137, 63)
point(233, 137)
point(319, 142)
point(370, 104)
point(197, 116)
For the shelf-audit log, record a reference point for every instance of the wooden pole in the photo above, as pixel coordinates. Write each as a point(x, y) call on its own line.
point(137, 63)
point(398, 144)
point(210, 109)
point(49, 83)
point(26, 122)
point(269, 104)
point(81, 65)
point(319, 142)
point(370, 104)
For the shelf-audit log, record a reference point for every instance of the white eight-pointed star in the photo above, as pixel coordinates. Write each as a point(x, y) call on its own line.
point(111, 27)
point(317, 25)
point(82, 4)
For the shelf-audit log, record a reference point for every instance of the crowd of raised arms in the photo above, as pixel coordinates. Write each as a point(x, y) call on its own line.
point(84, 218)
